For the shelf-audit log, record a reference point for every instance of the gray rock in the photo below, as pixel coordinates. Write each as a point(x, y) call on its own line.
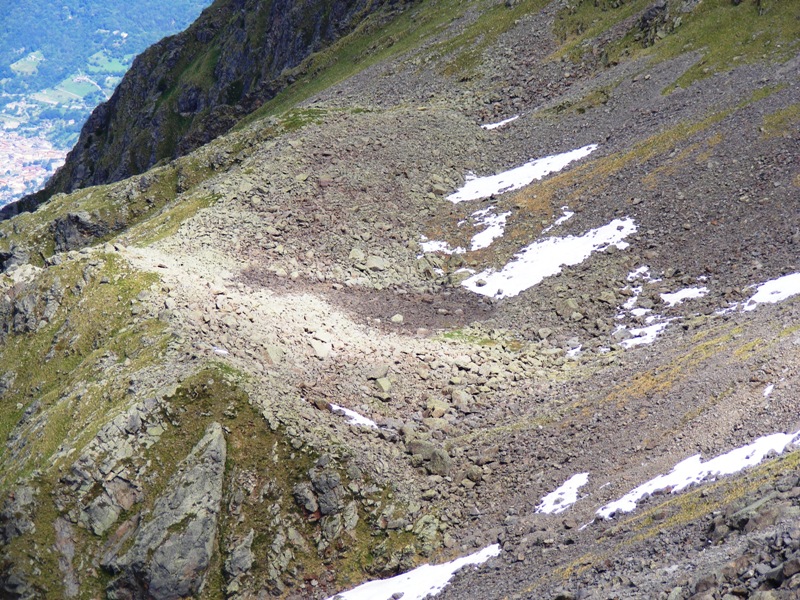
point(375, 263)
point(357, 255)
point(65, 545)
point(172, 551)
point(420, 448)
point(304, 496)
point(330, 492)
point(76, 230)
point(440, 463)
point(378, 371)
point(384, 385)
point(17, 513)
point(241, 558)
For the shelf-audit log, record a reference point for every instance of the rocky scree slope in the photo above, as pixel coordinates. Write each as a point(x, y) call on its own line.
point(175, 345)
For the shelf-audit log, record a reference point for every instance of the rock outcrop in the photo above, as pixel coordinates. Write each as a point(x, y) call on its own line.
point(172, 551)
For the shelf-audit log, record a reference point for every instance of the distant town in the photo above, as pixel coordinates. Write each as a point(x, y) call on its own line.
point(26, 163)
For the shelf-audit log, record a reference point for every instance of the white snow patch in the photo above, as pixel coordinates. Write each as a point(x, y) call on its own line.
point(642, 272)
point(693, 470)
point(419, 583)
point(495, 227)
point(482, 187)
point(353, 417)
point(775, 290)
point(655, 323)
point(768, 390)
point(566, 216)
point(546, 257)
point(490, 126)
point(429, 246)
point(575, 351)
point(685, 294)
point(644, 335)
point(564, 497)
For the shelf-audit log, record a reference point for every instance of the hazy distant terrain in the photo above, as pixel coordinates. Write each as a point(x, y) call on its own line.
point(58, 60)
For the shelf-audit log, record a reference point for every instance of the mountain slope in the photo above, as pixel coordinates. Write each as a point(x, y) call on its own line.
point(178, 346)
point(190, 88)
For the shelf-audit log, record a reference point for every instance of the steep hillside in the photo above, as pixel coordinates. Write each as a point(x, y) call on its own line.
point(189, 88)
point(511, 283)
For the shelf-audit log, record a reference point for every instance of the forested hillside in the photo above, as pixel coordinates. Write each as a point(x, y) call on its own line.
point(41, 42)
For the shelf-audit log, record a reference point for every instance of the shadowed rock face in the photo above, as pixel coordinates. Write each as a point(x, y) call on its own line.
point(189, 88)
point(173, 550)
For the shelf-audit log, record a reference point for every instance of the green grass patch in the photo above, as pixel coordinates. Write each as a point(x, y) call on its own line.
point(28, 65)
point(55, 366)
point(101, 62)
point(782, 122)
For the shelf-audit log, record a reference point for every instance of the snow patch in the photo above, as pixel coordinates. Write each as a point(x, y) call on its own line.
point(773, 291)
point(693, 470)
point(645, 335)
point(546, 257)
point(686, 294)
point(564, 497)
point(353, 417)
point(490, 126)
point(495, 228)
point(419, 583)
point(566, 216)
point(429, 246)
point(475, 187)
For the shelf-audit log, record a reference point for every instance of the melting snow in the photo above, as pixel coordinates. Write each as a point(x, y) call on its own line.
point(439, 246)
point(495, 227)
point(353, 417)
point(491, 126)
point(774, 291)
point(562, 219)
point(546, 257)
point(685, 294)
point(645, 335)
point(419, 583)
point(564, 497)
point(482, 187)
point(693, 470)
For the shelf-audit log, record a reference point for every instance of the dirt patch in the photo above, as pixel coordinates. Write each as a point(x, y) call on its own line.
point(445, 309)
